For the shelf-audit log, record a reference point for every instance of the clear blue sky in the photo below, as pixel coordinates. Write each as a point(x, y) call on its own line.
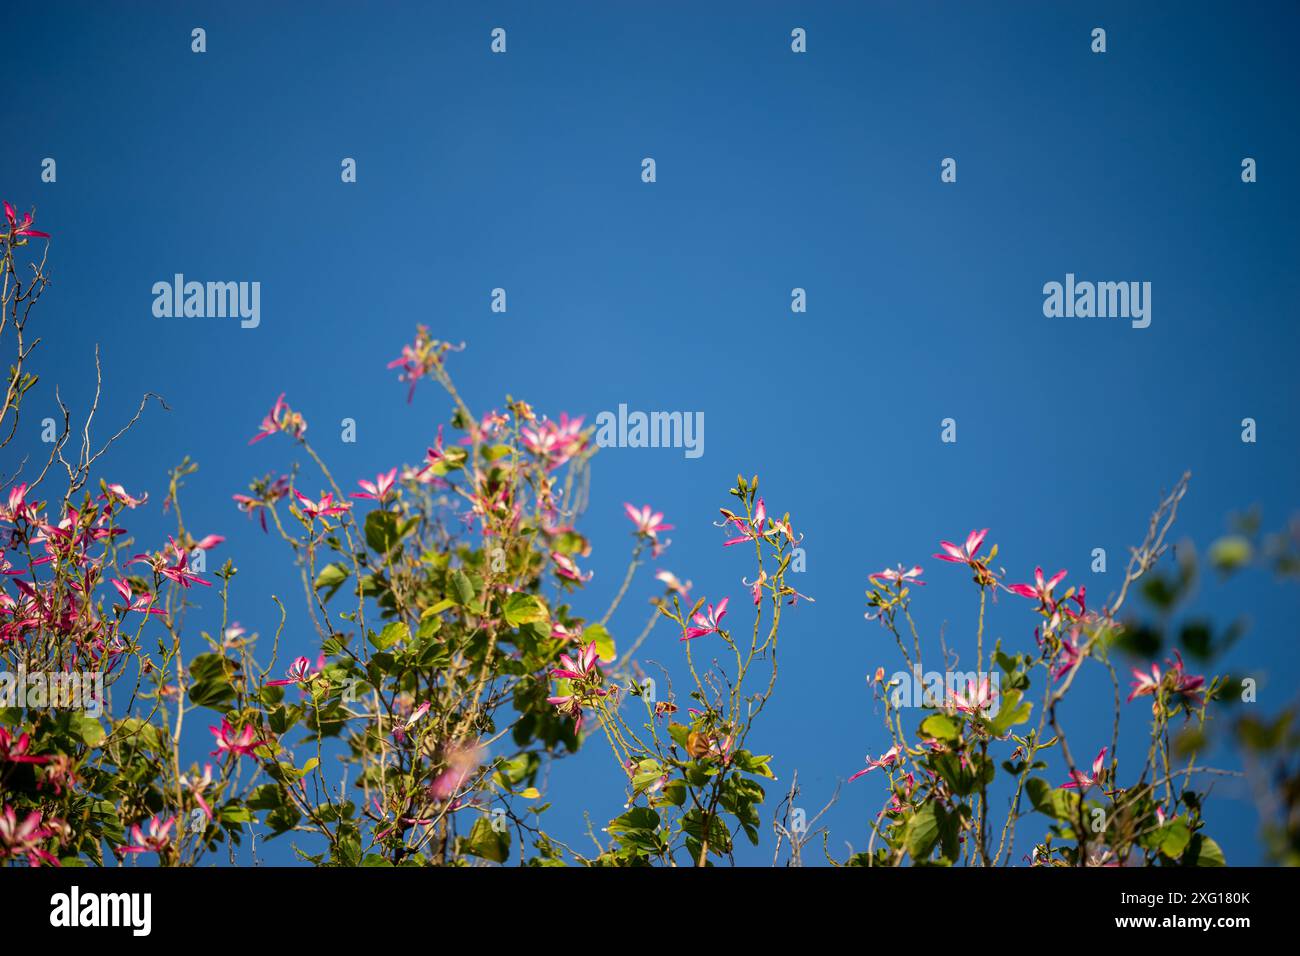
point(775, 170)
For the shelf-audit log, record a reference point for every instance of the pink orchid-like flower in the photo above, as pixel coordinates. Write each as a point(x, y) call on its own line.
point(1068, 659)
point(1040, 590)
point(378, 489)
point(585, 667)
point(23, 838)
point(417, 714)
point(751, 530)
point(17, 509)
point(977, 699)
point(324, 507)
point(235, 743)
point(673, 584)
point(897, 576)
point(461, 762)
point(648, 522)
point(554, 443)
point(707, 622)
point(420, 358)
point(281, 418)
point(967, 554)
point(1081, 780)
point(14, 749)
point(119, 494)
point(156, 840)
point(1189, 687)
point(142, 603)
point(299, 672)
point(196, 784)
point(20, 232)
point(567, 569)
point(887, 760)
point(208, 542)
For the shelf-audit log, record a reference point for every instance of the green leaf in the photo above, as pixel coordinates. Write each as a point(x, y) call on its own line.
point(524, 608)
point(604, 640)
point(1056, 803)
point(330, 579)
point(921, 833)
point(940, 727)
point(1202, 851)
point(487, 843)
point(462, 589)
point(1011, 711)
point(391, 634)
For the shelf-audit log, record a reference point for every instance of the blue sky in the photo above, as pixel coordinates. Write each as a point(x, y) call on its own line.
point(775, 171)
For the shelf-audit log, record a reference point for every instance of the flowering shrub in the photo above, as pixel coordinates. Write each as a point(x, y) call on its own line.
point(458, 659)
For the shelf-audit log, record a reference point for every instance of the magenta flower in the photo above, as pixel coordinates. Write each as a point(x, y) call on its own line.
point(324, 507)
point(968, 554)
point(671, 582)
point(143, 603)
point(197, 784)
point(1040, 589)
point(707, 623)
point(157, 840)
point(1176, 680)
point(567, 569)
point(18, 508)
point(237, 744)
point(21, 230)
point(299, 672)
point(379, 489)
point(281, 418)
point(24, 838)
point(1068, 659)
point(751, 530)
point(897, 575)
point(1082, 781)
point(584, 668)
point(976, 700)
point(15, 750)
point(118, 493)
point(887, 760)
point(648, 522)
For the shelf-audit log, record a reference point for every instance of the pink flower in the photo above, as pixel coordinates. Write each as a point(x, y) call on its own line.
point(1187, 686)
point(298, 673)
point(1082, 781)
point(197, 784)
point(567, 569)
point(420, 358)
point(461, 762)
point(18, 508)
point(976, 700)
point(552, 443)
point(707, 623)
point(1040, 589)
point(648, 522)
point(142, 603)
point(671, 582)
point(887, 760)
point(208, 542)
point(379, 489)
point(157, 840)
point(237, 744)
point(15, 750)
point(897, 575)
point(751, 530)
point(968, 553)
point(25, 838)
point(21, 230)
point(281, 418)
point(585, 668)
point(118, 493)
point(324, 507)
point(1068, 659)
